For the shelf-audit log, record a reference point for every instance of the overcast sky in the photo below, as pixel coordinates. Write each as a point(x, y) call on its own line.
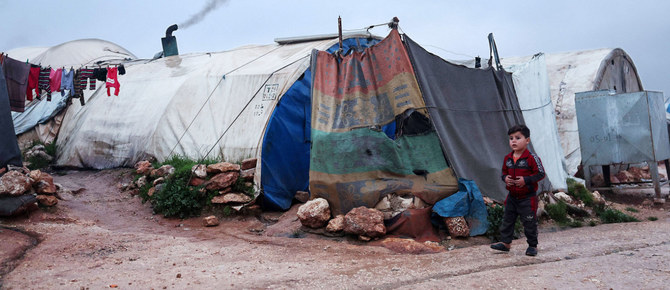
point(451, 29)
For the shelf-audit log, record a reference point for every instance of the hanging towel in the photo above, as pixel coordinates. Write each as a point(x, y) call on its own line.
point(16, 75)
point(33, 78)
point(112, 81)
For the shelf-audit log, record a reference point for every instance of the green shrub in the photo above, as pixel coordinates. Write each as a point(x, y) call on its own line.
point(580, 192)
point(37, 162)
point(558, 212)
point(178, 199)
point(652, 218)
point(632, 209)
point(609, 216)
point(576, 224)
point(593, 223)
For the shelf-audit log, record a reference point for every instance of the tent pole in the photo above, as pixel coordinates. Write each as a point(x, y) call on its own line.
point(339, 33)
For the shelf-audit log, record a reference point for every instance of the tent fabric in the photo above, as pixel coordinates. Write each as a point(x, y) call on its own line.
point(580, 71)
point(468, 203)
point(204, 105)
point(76, 53)
point(9, 148)
point(286, 143)
point(353, 162)
point(531, 85)
point(472, 109)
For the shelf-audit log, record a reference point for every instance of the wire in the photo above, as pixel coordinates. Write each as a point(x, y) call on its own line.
point(249, 102)
point(449, 51)
point(488, 111)
point(210, 96)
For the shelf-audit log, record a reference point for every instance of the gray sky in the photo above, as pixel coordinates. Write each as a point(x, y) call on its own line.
point(641, 27)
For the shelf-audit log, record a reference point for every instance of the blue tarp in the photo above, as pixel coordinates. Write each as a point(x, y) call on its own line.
point(286, 143)
point(468, 203)
point(38, 112)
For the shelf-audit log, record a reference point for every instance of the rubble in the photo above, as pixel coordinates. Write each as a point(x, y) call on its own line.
point(336, 224)
point(158, 181)
point(409, 246)
point(392, 205)
point(45, 184)
point(235, 197)
point(563, 196)
point(222, 180)
point(301, 196)
point(47, 200)
point(210, 221)
point(315, 213)
point(248, 163)
point(38, 151)
point(14, 183)
point(364, 222)
point(163, 171)
point(199, 171)
point(195, 181)
point(142, 181)
point(248, 175)
point(222, 167)
point(143, 167)
point(624, 176)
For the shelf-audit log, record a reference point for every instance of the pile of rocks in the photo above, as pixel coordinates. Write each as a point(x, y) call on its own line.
point(218, 177)
point(20, 180)
point(366, 223)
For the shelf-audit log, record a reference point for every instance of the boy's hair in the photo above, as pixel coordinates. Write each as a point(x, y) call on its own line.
point(519, 128)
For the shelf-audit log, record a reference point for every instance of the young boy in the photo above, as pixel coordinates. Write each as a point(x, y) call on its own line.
point(521, 172)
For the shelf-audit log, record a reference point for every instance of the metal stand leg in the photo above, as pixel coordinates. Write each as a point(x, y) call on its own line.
point(653, 169)
point(606, 175)
point(587, 177)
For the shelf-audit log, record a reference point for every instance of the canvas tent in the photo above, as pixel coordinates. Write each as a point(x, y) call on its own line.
point(579, 71)
point(41, 119)
point(206, 105)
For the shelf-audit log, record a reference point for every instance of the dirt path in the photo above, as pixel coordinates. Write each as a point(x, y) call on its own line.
point(101, 237)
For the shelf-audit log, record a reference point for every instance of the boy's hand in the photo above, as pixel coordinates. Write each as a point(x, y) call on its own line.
point(509, 181)
point(520, 182)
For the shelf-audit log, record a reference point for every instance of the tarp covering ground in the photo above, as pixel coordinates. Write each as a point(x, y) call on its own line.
point(353, 162)
point(472, 109)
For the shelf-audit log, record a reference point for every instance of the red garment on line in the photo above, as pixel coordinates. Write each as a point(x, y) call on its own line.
point(33, 78)
point(112, 81)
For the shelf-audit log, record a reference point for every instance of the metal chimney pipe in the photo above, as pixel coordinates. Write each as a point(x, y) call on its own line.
point(170, 42)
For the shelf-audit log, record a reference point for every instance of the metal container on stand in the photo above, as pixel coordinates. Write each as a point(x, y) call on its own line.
point(625, 128)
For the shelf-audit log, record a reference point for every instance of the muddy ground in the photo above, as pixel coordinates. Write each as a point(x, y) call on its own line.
point(100, 237)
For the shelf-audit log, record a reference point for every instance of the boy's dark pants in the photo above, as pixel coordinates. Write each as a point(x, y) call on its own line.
point(526, 209)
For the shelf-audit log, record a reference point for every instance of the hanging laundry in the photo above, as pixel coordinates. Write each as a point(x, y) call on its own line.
point(16, 75)
point(67, 82)
point(79, 86)
point(112, 81)
point(122, 70)
point(44, 82)
point(55, 81)
point(85, 75)
point(100, 74)
point(33, 77)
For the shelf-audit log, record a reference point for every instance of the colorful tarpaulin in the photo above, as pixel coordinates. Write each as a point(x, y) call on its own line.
point(353, 162)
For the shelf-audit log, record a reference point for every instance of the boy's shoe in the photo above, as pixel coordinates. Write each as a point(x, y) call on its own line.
point(500, 247)
point(531, 251)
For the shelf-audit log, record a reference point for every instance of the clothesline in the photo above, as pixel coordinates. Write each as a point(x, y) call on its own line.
point(26, 81)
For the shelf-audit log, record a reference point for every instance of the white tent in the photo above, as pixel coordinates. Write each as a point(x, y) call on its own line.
point(205, 105)
point(41, 119)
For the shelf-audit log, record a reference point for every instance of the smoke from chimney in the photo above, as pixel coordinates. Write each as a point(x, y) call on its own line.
point(195, 18)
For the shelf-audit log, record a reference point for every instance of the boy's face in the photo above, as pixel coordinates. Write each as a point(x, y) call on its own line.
point(518, 142)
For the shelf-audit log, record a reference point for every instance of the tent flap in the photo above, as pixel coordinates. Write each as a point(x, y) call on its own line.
point(353, 161)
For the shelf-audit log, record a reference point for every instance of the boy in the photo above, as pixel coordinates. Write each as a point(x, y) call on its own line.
point(521, 172)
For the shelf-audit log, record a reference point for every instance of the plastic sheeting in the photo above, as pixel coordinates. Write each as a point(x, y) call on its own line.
point(9, 148)
point(286, 143)
point(468, 203)
point(531, 85)
point(353, 162)
point(472, 109)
